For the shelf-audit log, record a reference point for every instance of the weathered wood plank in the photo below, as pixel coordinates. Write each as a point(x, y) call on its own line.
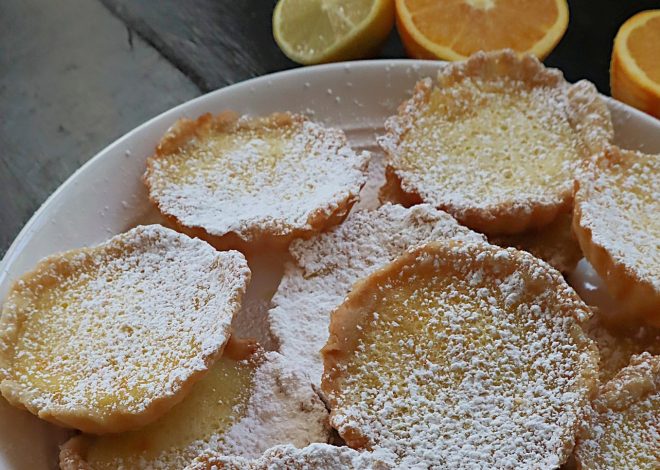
point(215, 43)
point(72, 80)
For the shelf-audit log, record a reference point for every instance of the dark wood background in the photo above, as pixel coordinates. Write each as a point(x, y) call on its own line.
point(77, 74)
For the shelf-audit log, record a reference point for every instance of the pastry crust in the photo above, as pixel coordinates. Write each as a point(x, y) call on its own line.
point(450, 355)
point(326, 266)
point(617, 345)
point(495, 141)
point(254, 183)
point(623, 428)
point(555, 243)
point(617, 225)
point(251, 400)
point(392, 192)
point(109, 338)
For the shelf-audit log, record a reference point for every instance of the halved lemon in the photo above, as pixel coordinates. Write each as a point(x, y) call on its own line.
point(455, 29)
point(317, 31)
point(635, 68)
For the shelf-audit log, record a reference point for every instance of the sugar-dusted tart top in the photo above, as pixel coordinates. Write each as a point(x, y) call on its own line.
point(313, 456)
point(254, 178)
point(326, 266)
point(495, 140)
point(461, 356)
point(108, 338)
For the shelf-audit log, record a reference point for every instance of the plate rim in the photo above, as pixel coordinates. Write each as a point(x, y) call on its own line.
point(15, 247)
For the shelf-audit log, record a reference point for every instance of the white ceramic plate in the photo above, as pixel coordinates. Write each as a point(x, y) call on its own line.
point(106, 195)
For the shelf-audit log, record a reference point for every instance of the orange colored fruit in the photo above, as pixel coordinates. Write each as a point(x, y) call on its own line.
point(635, 67)
point(455, 29)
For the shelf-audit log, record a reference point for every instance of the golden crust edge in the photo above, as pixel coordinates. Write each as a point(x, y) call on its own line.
point(256, 238)
point(354, 309)
point(564, 258)
point(78, 417)
point(73, 454)
point(632, 383)
point(629, 289)
point(260, 240)
point(585, 106)
point(616, 344)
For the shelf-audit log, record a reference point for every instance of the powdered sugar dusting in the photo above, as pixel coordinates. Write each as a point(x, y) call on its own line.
point(314, 456)
point(465, 357)
point(497, 134)
point(257, 178)
point(619, 202)
point(106, 331)
point(282, 409)
point(328, 265)
point(623, 427)
point(274, 404)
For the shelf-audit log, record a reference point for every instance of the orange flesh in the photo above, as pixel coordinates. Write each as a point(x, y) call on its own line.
point(516, 24)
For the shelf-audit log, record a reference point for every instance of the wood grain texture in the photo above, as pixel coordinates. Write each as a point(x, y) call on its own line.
point(215, 42)
point(72, 81)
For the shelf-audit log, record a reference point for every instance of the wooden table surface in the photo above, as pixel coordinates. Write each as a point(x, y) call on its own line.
point(77, 74)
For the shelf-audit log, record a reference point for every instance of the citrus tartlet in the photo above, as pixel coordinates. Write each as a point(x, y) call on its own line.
point(325, 268)
point(250, 400)
point(109, 338)
point(623, 428)
point(244, 182)
point(495, 141)
point(461, 355)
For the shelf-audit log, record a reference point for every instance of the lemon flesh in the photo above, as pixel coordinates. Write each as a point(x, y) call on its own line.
point(316, 31)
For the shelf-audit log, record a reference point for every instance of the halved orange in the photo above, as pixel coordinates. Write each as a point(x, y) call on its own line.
point(635, 67)
point(455, 29)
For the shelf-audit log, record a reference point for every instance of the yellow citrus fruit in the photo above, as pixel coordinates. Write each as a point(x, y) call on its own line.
point(455, 29)
point(635, 67)
point(316, 31)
